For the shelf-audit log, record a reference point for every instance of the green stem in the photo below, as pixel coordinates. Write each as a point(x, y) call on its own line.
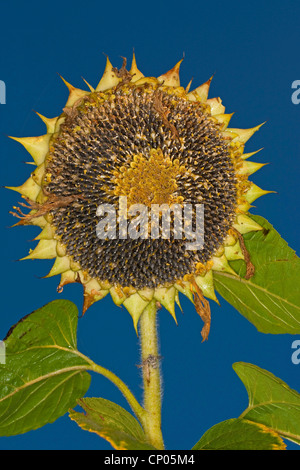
point(151, 421)
point(149, 415)
point(132, 401)
point(134, 404)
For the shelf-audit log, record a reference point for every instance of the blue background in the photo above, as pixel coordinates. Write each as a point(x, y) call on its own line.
point(252, 47)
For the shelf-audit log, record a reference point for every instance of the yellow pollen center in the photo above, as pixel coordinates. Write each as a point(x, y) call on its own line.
point(149, 180)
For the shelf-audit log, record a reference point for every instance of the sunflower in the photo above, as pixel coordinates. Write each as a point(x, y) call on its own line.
point(147, 141)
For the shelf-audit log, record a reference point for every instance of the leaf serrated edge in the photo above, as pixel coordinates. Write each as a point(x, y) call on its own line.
point(102, 433)
point(292, 437)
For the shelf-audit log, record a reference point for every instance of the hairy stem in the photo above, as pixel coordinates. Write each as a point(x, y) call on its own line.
point(132, 401)
point(151, 421)
point(135, 406)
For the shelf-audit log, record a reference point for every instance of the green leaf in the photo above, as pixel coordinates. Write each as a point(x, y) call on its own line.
point(271, 401)
point(271, 298)
point(111, 422)
point(44, 375)
point(273, 413)
point(239, 434)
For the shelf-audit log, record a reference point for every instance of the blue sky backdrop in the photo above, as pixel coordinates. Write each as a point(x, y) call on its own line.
point(252, 48)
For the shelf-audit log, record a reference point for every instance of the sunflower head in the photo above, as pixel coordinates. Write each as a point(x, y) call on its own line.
point(140, 148)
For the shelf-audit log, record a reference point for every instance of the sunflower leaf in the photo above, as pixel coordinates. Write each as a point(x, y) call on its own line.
point(271, 402)
point(111, 422)
point(43, 374)
point(271, 298)
point(239, 434)
point(273, 414)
